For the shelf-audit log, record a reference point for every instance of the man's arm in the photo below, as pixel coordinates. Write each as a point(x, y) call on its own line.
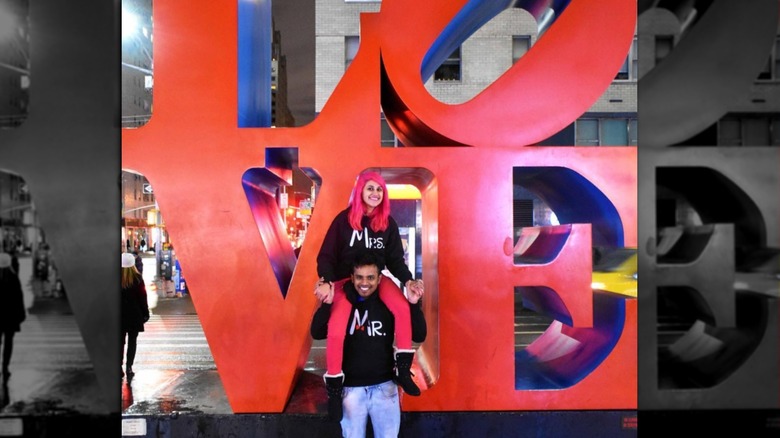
point(319, 323)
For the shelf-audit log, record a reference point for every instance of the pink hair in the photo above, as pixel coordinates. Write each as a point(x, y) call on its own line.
point(380, 215)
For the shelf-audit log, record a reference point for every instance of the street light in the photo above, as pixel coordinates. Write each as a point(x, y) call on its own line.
point(8, 23)
point(130, 23)
point(137, 55)
point(151, 217)
point(11, 29)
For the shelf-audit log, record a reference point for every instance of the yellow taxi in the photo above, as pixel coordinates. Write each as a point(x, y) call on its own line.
point(615, 270)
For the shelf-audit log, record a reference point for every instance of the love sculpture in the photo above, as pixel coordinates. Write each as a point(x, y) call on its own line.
point(214, 183)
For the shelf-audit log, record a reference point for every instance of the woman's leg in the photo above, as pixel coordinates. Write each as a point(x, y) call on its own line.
point(334, 352)
point(337, 331)
point(122, 352)
point(8, 348)
point(394, 299)
point(132, 338)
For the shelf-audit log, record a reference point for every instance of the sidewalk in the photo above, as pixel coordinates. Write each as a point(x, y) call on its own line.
point(170, 403)
point(199, 391)
point(174, 306)
point(53, 389)
point(184, 403)
point(50, 306)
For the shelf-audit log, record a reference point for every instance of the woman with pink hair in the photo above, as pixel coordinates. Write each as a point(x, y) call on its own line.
point(366, 226)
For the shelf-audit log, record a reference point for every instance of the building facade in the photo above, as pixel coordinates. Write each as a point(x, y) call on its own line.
point(280, 110)
point(137, 62)
point(14, 62)
point(18, 221)
point(142, 224)
point(479, 61)
point(750, 121)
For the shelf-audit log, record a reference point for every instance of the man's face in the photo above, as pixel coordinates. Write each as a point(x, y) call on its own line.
point(365, 279)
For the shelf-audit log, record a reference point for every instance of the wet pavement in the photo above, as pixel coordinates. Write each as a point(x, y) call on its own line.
point(176, 390)
point(175, 372)
point(51, 372)
point(52, 389)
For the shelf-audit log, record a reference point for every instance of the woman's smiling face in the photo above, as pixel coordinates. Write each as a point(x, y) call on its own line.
point(372, 195)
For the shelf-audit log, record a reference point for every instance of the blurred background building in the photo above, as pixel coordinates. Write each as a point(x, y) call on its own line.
point(751, 121)
point(14, 62)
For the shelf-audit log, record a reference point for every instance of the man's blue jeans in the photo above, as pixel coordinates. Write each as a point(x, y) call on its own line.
point(380, 402)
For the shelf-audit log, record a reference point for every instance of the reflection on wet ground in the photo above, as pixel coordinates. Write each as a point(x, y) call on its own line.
point(160, 392)
point(51, 373)
point(192, 392)
point(36, 392)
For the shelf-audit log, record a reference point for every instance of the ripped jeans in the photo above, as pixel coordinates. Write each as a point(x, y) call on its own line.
point(380, 402)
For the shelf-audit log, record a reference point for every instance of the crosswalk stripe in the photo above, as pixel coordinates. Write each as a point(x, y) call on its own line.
point(49, 343)
point(173, 342)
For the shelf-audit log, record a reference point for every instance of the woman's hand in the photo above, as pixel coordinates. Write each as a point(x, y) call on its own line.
point(415, 289)
point(324, 291)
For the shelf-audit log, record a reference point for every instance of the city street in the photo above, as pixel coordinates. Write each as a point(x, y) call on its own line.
point(51, 372)
point(175, 372)
point(176, 382)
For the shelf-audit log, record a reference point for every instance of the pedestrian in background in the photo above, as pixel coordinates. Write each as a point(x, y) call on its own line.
point(139, 262)
point(15, 262)
point(135, 309)
point(12, 311)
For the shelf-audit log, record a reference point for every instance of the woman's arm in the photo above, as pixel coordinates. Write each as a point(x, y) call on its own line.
point(394, 254)
point(327, 258)
point(143, 302)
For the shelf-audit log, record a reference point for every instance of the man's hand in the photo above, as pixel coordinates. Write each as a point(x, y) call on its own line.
point(324, 291)
point(415, 290)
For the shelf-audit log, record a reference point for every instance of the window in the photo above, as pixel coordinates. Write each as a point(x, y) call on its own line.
point(774, 131)
point(387, 135)
point(633, 132)
point(629, 71)
point(749, 130)
point(587, 132)
point(521, 44)
point(614, 132)
point(449, 70)
point(771, 71)
point(351, 44)
point(523, 215)
point(755, 131)
point(607, 131)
